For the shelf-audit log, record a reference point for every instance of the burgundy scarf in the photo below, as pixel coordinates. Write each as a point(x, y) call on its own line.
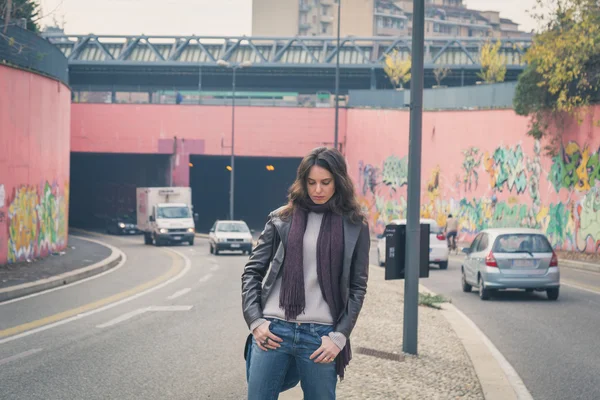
point(330, 259)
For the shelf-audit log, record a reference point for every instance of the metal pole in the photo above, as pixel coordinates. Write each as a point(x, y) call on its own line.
point(413, 227)
point(337, 76)
point(231, 177)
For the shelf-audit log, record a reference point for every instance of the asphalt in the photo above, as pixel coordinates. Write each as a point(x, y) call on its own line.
point(78, 254)
point(174, 354)
point(553, 346)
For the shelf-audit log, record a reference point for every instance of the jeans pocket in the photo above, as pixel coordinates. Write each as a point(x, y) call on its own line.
point(322, 330)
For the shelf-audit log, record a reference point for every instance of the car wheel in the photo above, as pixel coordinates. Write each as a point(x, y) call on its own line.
point(444, 265)
point(147, 239)
point(216, 251)
point(212, 249)
point(465, 286)
point(552, 293)
point(484, 294)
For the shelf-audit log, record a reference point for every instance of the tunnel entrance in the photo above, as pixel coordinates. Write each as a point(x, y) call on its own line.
point(261, 185)
point(103, 185)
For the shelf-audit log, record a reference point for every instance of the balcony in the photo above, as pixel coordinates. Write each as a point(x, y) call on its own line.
point(304, 7)
point(328, 2)
point(327, 19)
point(380, 31)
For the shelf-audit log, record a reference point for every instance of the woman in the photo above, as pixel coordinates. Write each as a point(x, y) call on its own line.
point(305, 283)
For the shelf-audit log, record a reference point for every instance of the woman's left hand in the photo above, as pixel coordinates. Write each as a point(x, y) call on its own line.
point(327, 352)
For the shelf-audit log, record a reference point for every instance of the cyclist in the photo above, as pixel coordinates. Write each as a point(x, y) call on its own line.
point(451, 231)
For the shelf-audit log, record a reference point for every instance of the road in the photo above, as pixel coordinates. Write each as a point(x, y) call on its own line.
point(552, 345)
point(184, 339)
point(167, 323)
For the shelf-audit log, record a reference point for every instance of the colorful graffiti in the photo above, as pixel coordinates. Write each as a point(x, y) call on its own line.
point(575, 168)
point(512, 197)
point(506, 168)
point(37, 221)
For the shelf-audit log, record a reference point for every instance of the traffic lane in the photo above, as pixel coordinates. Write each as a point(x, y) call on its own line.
point(82, 324)
point(195, 354)
point(584, 279)
point(551, 344)
point(143, 264)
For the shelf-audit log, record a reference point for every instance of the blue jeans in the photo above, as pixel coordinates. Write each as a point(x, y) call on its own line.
point(272, 372)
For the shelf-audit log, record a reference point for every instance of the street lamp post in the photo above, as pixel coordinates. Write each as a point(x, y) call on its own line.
point(234, 67)
point(337, 75)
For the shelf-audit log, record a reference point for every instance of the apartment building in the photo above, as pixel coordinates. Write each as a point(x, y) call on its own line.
point(376, 18)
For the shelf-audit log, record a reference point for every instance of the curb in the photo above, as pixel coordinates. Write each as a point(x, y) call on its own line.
point(25, 289)
point(498, 379)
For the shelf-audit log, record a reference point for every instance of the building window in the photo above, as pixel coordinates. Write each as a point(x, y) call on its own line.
point(324, 28)
point(325, 10)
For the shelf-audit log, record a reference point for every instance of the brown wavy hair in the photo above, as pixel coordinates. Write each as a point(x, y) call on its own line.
point(343, 201)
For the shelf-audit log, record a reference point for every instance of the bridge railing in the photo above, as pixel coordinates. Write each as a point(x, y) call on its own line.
point(288, 52)
point(25, 49)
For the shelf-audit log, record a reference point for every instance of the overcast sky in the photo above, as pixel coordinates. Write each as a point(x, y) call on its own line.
point(200, 17)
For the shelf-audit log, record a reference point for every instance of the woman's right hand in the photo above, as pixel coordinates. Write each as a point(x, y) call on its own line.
point(265, 339)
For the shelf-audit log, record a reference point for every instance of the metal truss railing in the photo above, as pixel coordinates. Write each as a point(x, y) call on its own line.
point(357, 52)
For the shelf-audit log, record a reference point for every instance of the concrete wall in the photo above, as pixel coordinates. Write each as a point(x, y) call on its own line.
point(259, 131)
point(481, 166)
point(34, 165)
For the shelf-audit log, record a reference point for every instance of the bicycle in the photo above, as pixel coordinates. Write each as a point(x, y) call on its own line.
point(452, 244)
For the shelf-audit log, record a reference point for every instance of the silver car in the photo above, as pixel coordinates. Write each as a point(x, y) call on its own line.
point(511, 258)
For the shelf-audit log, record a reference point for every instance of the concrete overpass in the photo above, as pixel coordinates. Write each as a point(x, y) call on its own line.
point(299, 64)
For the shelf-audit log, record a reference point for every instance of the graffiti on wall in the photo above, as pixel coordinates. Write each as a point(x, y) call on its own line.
point(498, 188)
point(37, 221)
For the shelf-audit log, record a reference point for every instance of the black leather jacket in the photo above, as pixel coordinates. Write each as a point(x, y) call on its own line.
point(267, 258)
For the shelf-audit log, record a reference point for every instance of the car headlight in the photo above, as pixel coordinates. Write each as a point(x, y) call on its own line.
point(121, 225)
point(191, 230)
point(163, 230)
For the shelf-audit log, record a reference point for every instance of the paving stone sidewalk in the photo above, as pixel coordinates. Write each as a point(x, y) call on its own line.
point(442, 370)
point(78, 254)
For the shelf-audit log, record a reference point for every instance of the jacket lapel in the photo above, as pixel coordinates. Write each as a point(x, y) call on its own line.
point(351, 233)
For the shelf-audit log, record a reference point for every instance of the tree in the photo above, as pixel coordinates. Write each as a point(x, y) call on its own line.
point(493, 67)
point(440, 73)
point(563, 72)
point(12, 10)
point(397, 69)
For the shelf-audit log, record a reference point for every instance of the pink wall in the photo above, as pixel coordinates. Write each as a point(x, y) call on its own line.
point(259, 131)
point(34, 165)
point(481, 166)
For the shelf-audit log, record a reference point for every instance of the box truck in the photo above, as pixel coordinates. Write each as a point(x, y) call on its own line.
point(164, 215)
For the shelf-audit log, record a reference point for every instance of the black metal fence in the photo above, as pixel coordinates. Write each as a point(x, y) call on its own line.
point(26, 49)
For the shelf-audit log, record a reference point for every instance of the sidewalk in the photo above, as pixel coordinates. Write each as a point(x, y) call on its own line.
point(82, 258)
point(454, 362)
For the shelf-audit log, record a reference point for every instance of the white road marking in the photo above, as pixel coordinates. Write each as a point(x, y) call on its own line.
point(123, 318)
point(187, 267)
point(140, 311)
point(121, 263)
point(214, 267)
point(179, 293)
point(205, 278)
point(19, 356)
point(170, 308)
point(576, 286)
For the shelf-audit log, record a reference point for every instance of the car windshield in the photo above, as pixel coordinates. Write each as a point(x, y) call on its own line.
point(173, 212)
point(232, 227)
point(522, 243)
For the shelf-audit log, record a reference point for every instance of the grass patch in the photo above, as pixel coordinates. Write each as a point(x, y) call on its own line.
point(432, 301)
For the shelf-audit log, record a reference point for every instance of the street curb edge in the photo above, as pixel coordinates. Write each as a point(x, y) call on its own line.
point(25, 289)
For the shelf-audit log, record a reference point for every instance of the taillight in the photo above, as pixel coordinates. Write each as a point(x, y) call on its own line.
point(554, 260)
point(441, 236)
point(490, 260)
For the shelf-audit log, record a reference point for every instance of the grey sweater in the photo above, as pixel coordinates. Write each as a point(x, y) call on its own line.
point(316, 310)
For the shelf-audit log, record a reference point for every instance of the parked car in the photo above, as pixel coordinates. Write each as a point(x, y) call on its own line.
point(230, 235)
point(123, 225)
point(438, 246)
point(511, 258)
